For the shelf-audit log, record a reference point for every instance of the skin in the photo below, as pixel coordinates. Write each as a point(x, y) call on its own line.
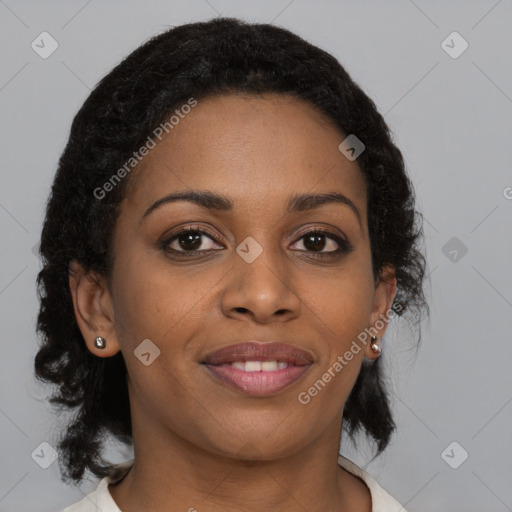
point(199, 443)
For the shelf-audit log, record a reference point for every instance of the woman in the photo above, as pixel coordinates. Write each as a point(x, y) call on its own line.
point(229, 232)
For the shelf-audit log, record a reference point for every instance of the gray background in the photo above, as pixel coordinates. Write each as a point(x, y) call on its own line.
point(452, 119)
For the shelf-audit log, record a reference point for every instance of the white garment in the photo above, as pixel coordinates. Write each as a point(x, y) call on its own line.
point(100, 500)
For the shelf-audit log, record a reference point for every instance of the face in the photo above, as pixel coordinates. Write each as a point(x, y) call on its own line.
point(255, 264)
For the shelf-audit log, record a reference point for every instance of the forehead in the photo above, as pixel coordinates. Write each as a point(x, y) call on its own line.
point(256, 149)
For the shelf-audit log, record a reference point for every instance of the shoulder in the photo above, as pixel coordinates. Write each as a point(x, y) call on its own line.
point(381, 500)
point(100, 500)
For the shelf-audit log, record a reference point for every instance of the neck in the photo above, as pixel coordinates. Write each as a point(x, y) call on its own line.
point(170, 471)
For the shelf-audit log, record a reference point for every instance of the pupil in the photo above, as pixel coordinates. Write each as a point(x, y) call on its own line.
point(317, 242)
point(194, 241)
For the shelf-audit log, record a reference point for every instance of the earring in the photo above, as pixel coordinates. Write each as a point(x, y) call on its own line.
point(100, 342)
point(374, 345)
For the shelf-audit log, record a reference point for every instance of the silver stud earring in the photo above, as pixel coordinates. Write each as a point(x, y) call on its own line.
point(100, 342)
point(376, 349)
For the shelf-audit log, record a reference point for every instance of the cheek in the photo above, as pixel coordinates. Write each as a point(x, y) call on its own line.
point(341, 308)
point(155, 301)
point(343, 302)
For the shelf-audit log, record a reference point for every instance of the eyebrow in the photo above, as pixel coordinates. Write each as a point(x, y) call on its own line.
point(218, 202)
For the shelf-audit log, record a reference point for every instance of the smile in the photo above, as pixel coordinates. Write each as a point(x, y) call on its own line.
point(258, 369)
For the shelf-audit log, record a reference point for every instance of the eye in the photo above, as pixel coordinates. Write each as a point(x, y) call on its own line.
point(315, 241)
point(190, 240)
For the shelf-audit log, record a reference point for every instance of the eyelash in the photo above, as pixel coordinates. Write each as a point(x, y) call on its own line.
point(344, 246)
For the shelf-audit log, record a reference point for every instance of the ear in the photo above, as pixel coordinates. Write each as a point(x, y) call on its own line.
point(383, 297)
point(92, 303)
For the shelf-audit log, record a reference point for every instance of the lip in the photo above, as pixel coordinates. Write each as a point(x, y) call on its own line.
point(261, 351)
point(258, 383)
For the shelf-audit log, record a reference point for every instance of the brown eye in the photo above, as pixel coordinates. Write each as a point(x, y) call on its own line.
point(316, 241)
point(190, 240)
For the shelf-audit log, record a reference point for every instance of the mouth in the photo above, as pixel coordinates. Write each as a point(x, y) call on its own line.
point(258, 369)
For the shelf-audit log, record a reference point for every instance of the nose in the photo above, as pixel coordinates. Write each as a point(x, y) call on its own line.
point(261, 291)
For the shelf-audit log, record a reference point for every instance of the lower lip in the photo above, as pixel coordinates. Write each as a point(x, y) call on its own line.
point(258, 383)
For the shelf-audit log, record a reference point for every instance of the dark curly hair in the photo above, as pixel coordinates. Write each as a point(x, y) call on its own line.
point(220, 56)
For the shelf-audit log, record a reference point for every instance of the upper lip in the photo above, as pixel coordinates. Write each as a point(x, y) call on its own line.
point(259, 351)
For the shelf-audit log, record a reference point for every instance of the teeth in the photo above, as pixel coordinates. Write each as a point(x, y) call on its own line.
point(258, 366)
point(253, 366)
point(269, 366)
